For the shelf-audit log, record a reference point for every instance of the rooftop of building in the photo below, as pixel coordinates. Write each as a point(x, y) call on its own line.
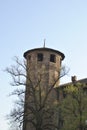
point(45, 49)
point(74, 80)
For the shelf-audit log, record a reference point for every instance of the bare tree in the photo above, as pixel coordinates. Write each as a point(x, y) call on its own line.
point(38, 109)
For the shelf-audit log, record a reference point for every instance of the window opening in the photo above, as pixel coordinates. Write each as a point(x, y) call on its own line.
point(40, 57)
point(64, 94)
point(60, 62)
point(29, 57)
point(52, 58)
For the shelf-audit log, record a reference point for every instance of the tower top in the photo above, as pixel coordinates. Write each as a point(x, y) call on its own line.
point(45, 49)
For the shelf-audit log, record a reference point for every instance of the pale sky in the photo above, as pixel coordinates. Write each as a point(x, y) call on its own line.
point(24, 24)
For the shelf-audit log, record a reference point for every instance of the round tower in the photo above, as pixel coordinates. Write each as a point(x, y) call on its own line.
point(43, 69)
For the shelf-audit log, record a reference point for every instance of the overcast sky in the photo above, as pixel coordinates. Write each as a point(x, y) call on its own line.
point(24, 24)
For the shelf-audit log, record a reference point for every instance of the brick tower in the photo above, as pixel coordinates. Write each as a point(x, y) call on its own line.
point(43, 67)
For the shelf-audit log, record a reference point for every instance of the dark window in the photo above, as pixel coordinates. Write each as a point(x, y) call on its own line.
point(60, 62)
point(29, 57)
point(57, 94)
point(64, 94)
point(40, 57)
point(85, 91)
point(52, 58)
